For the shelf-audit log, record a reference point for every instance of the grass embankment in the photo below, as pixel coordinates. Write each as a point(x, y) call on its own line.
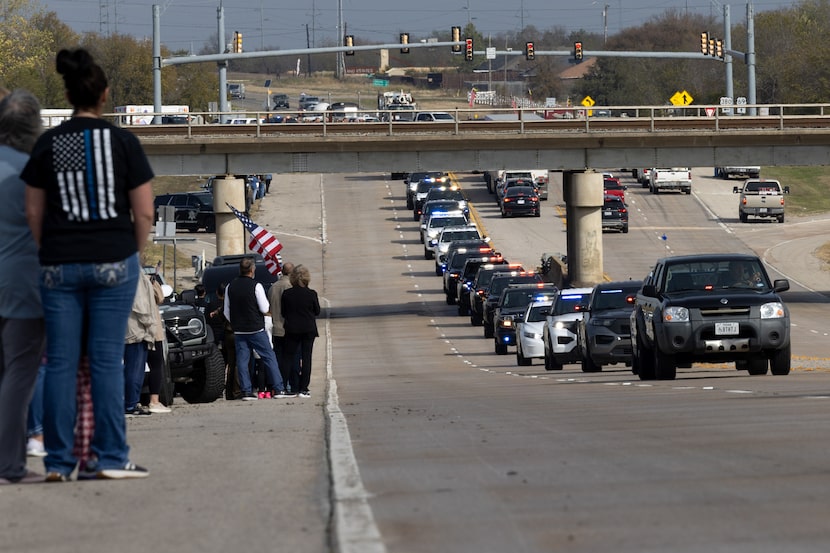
point(809, 194)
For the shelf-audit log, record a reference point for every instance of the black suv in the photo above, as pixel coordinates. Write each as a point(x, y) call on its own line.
point(280, 101)
point(511, 308)
point(604, 331)
point(225, 268)
point(614, 214)
point(499, 282)
point(194, 210)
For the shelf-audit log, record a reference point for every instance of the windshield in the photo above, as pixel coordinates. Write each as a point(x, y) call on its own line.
point(537, 313)
point(612, 298)
point(459, 235)
point(438, 222)
point(567, 303)
point(746, 274)
point(519, 297)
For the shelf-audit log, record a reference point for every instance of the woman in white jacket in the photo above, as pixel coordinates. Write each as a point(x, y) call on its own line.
point(142, 327)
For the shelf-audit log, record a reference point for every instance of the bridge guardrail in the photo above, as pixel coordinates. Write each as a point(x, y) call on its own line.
point(622, 119)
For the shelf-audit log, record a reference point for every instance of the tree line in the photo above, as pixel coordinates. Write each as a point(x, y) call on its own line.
point(792, 56)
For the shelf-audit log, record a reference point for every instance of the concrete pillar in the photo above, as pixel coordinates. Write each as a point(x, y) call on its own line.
point(584, 197)
point(230, 233)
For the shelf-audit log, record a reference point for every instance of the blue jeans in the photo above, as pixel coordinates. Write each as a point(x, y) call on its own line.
point(259, 342)
point(135, 357)
point(86, 305)
point(34, 425)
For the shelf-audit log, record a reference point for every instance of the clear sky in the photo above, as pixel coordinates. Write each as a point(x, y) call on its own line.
point(271, 24)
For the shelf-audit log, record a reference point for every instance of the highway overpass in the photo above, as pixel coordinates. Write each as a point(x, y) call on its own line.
point(653, 139)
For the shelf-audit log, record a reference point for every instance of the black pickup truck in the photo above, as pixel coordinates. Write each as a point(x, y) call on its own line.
point(710, 308)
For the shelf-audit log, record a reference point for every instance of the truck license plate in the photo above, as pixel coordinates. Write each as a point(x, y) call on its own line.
point(607, 213)
point(762, 210)
point(520, 202)
point(726, 329)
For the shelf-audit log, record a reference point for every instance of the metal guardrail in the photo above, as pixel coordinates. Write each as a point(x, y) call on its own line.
point(622, 119)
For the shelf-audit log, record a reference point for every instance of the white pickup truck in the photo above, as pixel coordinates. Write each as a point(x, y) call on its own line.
point(761, 198)
point(676, 178)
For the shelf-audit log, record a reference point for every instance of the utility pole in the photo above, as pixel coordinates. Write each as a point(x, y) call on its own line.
point(222, 65)
point(340, 70)
point(727, 45)
point(750, 57)
point(605, 24)
point(308, 45)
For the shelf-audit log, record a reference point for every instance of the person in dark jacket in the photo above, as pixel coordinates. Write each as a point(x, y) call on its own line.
point(300, 308)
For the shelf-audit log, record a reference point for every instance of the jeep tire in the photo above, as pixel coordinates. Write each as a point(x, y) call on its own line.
point(207, 381)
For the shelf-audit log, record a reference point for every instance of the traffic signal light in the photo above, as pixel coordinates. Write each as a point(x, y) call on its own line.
point(404, 40)
point(711, 46)
point(578, 51)
point(349, 41)
point(468, 49)
point(704, 43)
point(719, 48)
point(456, 37)
point(237, 42)
point(530, 54)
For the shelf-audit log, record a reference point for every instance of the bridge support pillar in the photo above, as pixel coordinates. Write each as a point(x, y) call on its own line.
point(230, 234)
point(583, 192)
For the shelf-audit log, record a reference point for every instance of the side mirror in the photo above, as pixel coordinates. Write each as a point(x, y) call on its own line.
point(167, 290)
point(735, 190)
point(649, 291)
point(781, 285)
point(786, 190)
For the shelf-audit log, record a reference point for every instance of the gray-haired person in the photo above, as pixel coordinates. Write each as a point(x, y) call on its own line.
point(21, 315)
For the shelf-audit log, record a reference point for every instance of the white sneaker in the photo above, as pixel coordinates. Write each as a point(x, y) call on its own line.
point(159, 408)
point(34, 448)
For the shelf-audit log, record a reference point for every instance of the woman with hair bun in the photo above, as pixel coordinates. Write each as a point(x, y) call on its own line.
point(89, 204)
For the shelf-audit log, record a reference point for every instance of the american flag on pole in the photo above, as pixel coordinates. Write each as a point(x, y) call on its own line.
point(262, 242)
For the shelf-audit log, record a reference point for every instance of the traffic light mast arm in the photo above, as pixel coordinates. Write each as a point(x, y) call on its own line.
point(180, 60)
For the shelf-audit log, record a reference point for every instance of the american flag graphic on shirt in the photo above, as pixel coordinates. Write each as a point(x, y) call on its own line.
point(83, 164)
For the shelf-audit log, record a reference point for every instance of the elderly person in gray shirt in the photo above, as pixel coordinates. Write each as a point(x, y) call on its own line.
point(21, 315)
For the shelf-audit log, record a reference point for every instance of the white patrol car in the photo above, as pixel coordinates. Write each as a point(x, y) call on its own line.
point(441, 243)
point(438, 221)
point(559, 334)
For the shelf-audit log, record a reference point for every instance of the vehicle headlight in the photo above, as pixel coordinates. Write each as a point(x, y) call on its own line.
point(676, 314)
point(532, 335)
point(772, 310)
point(506, 323)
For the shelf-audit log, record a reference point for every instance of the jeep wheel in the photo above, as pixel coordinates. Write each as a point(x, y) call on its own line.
point(488, 330)
point(475, 319)
point(167, 391)
point(521, 360)
point(208, 379)
point(449, 299)
point(211, 225)
point(462, 309)
point(501, 349)
point(779, 361)
point(665, 367)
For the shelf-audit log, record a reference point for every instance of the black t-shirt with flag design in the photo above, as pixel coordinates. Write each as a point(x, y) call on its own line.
point(87, 167)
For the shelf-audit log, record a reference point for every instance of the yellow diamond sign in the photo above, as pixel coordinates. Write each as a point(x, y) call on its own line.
point(681, 99)
point(587, 101)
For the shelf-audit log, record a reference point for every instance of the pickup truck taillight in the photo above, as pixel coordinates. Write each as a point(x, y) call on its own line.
point(743, 201)
point(782, 200)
